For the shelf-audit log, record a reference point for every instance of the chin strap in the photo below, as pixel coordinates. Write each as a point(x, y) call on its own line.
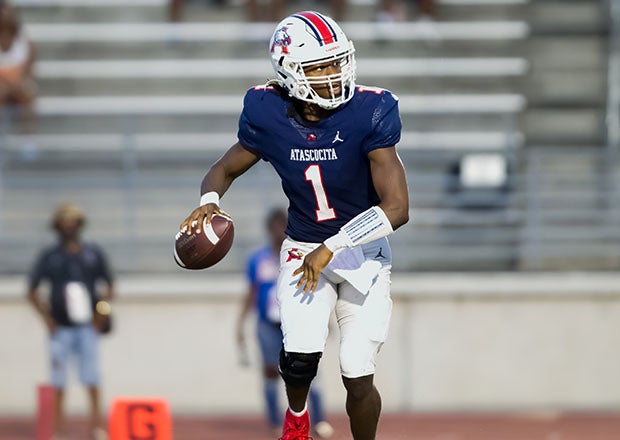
point(368, 226)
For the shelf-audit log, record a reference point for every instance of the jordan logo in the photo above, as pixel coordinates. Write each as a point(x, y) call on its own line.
point(294, 254)
point(337, 138)
point(379, 254)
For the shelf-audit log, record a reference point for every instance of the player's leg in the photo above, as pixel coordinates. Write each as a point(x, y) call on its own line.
point(321, 427)
point(97, 429)
point(270, 343)
point(88, 359)
point(305, 326)
point(305, 318)
point(363, 406)
point(60, 351)
point(60, 427)
point(271, 388)
point(315, 400)
point(364, 322)
point(298, 370)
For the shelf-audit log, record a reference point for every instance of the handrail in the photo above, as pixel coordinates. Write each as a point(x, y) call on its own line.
point(613, 77)
point(613, 115)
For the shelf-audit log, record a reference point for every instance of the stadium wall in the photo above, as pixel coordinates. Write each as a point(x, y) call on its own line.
point(458, 342)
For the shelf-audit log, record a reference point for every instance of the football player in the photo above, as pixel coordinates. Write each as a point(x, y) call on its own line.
point(262, 273)
point(333, 145)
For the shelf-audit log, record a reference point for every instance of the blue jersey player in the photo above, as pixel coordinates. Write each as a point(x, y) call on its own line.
point(262, 273)
point(333, 145)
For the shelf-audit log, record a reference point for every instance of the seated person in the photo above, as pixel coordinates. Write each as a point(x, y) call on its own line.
point(17, 85)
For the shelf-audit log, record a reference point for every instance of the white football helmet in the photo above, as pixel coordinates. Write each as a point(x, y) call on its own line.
point(309, 38)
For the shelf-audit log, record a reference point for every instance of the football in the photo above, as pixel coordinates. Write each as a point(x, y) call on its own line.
point(206, 248)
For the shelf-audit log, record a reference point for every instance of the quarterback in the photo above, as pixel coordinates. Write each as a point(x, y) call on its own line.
point(333, 145)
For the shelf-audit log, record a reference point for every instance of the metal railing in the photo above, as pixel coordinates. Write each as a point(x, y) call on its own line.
point(612, 155)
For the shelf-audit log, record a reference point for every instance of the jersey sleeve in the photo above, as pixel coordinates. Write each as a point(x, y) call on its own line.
point(249, 126)
point(250, 271)
point(103, 267)
point(39, 271)
point(385, 124)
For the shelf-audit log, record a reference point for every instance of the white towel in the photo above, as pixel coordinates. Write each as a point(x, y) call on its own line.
point(350, 264)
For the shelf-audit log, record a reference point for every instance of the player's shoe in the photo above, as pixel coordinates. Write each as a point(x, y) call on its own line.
point(323, 429)
point(296, 428)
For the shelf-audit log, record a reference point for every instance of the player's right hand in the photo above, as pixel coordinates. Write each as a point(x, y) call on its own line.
point(198, 216)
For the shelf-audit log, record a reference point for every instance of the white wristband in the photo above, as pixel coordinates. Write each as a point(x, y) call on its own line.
point(339, 241)
point(368, 226)
point(210, 197)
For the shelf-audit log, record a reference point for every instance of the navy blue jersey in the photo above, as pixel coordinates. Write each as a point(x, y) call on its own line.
point(323, 165)
point(262, 273)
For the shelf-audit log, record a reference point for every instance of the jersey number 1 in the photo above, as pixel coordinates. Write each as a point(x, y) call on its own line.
point(313, 175)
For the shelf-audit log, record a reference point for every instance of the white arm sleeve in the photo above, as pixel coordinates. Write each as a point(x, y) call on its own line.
point(368, 226)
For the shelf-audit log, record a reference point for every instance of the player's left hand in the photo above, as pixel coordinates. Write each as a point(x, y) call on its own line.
point(311, 268)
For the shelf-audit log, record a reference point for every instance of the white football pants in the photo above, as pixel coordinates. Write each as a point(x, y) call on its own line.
point(363, 319)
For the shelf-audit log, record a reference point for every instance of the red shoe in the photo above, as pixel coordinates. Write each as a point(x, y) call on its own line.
point(296, 428)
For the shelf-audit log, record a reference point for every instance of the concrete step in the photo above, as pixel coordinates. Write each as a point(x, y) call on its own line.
point(204, 144)
point(461, 258)
point(567, 52)
point(183, 113)
point(225, 68)
point(399, 85)
point(178, 76)
point(44, 11)
point(567, 256)
point(85, 124)
point(120, 33)
point(566, 17)
point(169, 48)
point(231, 104)
point(562, 88)
point(583, 126)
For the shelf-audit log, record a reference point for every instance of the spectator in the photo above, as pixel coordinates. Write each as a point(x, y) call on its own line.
point(17, 56)
point(277, 10)
point(73, 270)
point(395, 10)
point(256, 10)
point(262, 274)
point(176, 7)
point(391, 11)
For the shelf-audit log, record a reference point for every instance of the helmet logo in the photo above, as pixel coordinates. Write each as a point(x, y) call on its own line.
point(319, 26)
point(281, 39)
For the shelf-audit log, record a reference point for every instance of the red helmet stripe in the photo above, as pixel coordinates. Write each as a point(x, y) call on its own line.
point(321, 25)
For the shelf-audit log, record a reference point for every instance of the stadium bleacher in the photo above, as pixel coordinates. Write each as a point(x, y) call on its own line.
point(134, 110)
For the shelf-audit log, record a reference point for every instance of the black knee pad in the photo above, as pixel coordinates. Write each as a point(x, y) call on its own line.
point(299, 368)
